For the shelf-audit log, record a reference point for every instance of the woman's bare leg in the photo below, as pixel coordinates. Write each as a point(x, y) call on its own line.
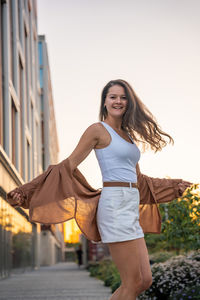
point(132, 261)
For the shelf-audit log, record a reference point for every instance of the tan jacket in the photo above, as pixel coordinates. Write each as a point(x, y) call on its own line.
point(59, 194)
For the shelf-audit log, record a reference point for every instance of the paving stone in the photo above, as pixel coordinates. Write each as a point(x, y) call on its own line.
point(63, 281)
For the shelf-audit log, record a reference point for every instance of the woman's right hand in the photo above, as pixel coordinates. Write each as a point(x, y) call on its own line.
point(17, 197)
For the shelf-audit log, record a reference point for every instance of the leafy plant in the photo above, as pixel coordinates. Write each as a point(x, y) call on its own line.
point(173, 278)
point(180, 224)
point(160, 256)
point(106, 271)
point(182, 227)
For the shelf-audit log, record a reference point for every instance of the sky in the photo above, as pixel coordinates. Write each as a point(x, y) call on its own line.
point(152, 44)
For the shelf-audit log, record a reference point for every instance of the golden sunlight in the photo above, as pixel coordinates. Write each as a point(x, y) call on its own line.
point(71, 232)
point(196, 190)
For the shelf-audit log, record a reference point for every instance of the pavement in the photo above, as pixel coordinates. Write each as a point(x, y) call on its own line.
point(63, 281)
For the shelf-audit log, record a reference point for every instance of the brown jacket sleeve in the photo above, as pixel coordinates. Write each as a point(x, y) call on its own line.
point(156, 189)
point(26, 190)
point(58, 195)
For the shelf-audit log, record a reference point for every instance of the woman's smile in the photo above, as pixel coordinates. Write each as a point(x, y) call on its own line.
point(116, 101)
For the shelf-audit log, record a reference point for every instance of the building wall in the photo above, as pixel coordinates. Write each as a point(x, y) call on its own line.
point(49, 131)
point(21, 132)
point(19, 111)
point(1, 98)
point(21, 105)
point(50, 151)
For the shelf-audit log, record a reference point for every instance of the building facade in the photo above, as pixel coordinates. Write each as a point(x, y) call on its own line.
point(52, 244)
point(25, 151)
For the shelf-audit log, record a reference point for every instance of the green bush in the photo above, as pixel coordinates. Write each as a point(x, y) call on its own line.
point(177, 278)
point(161, 256)
point(195, 255)
point(172, 278)
point(106, 271)
point(191, 293)
point(93, 269)
point(180, 224)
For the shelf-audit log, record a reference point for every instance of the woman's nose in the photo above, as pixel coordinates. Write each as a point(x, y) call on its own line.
point(118, 99)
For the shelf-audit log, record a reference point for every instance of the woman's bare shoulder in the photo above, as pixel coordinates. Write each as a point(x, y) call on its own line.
point(95, 129)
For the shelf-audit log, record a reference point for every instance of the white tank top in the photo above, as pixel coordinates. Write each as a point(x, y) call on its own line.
point(118, 160)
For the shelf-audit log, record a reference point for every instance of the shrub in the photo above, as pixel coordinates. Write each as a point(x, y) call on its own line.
point(172, 278)
point(160, 256)
point(93, 269)
point(191, 293)
point(182, 227)
point(195, 255)
point(181, 224)
point(106, 271)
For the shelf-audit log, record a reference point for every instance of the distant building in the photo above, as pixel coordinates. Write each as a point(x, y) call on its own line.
point(52, 250)
point(27, 128)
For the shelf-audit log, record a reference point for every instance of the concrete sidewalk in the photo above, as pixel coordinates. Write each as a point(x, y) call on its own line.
point(63, 281)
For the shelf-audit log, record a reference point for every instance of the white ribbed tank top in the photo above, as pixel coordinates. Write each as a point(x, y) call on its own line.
point(118, 160)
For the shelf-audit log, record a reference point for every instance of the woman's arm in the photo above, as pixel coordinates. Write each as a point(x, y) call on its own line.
point(160, 190)
point(87, 142)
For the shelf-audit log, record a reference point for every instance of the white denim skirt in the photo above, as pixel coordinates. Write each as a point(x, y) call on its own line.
point(118, 214)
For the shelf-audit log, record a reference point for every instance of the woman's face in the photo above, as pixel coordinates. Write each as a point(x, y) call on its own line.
point(116, 101)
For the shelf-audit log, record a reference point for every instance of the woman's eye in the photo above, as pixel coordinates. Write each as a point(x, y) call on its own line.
point(114, 97)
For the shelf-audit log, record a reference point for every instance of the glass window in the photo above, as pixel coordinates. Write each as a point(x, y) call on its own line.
point(41, 78)
point(19, 19)
point(40, 53)
point(31, 48)
point(15, 238)
point(21, 98)
point(26, 87)
point(1, 96)
point(11, 41)
point(28, 162)
point(13, 119)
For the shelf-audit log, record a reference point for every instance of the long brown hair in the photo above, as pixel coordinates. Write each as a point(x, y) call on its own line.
point(138, 121)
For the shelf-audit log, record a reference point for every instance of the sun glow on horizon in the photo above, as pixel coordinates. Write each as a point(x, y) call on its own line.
point(71, 232)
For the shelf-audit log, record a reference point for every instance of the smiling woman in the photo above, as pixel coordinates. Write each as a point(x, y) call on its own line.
point(126, 207)
point(116, 101)
point(121, 100)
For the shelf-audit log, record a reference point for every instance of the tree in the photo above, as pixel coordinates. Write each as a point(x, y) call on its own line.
point(181, 228)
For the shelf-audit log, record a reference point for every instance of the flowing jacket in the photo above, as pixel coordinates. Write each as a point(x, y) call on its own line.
point(60, 194)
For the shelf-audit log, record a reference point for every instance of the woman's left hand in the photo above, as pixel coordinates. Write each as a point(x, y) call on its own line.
point(182, 186)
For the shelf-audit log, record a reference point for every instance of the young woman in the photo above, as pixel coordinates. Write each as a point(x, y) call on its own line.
point(125, 122)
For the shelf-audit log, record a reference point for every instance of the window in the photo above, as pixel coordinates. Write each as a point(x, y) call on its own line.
point(15, 238)
point(41, 78)
point(11, 41)
point(1, 97)
point(21, 114)
point(13, 119)
point(28, 162)
point(26, 77)
point(19, 19)
point(35, 9)
point(37, 147)
point(33, 140)
point(31, 48)
point(40, 53)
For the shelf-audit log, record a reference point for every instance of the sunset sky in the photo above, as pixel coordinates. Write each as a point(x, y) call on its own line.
point(154, 45)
